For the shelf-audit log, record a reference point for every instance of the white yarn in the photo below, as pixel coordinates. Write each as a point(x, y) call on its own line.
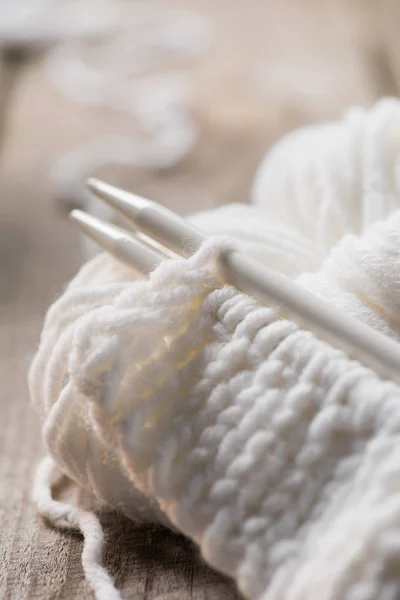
point(66, 516)
point(140, 69)
point(118, 57)
point(329, 179)
point(182, 401)
point(33, 24)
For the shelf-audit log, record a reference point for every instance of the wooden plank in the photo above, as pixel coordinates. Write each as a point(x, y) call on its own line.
point(11, 65)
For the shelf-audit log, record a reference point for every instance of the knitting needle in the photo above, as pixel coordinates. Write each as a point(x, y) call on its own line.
point(269, 287)
point(150, 218)
point(124, 246)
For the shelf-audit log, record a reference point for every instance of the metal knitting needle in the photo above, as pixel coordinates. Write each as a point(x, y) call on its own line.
point(369, 346)
point(118, 242)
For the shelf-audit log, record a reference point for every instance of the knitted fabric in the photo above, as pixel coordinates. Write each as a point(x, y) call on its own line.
point(180, 400)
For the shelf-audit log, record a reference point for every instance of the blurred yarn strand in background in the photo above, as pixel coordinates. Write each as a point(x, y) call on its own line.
point(142, 70)
point(133, 58)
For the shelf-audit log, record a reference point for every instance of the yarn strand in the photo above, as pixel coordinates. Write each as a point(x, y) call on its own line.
point(65, 516)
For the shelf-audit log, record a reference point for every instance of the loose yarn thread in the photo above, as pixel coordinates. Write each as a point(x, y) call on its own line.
point(122, 58)
point(182, 401)
point(141, 69)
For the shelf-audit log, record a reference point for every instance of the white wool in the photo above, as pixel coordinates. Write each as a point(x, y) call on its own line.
point(179, 400)
point(329, 179)
point(124, 57)
point(140, 69)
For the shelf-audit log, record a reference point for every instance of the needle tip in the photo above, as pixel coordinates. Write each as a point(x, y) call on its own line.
point(117, 242)
point(94, 185)
point(101, 232)
point(74, 215)
point(127, 204)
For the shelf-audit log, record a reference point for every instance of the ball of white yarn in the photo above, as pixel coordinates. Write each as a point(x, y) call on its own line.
point(331, 179)
point(182, 401)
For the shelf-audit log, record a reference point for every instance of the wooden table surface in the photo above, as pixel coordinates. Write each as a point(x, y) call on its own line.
point(273, 66)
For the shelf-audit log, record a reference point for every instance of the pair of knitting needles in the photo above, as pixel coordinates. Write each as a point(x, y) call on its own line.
point(155, 223)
